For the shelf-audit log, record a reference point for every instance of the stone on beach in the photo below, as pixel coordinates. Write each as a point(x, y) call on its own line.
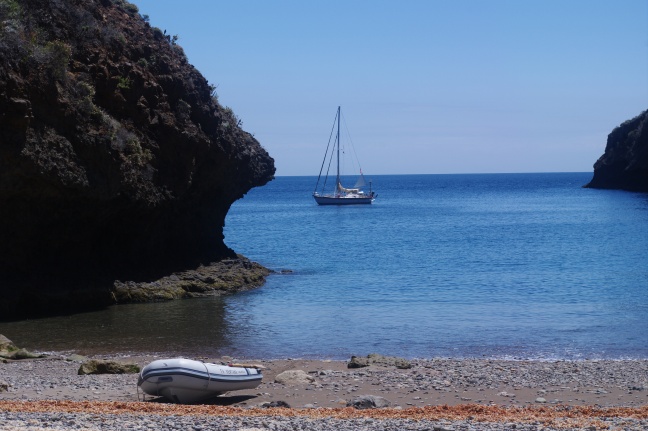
point(294, 377)
point(273, 404)
point(444, 384)
point(76, 358)
point(6, 344)
point(23, 354)
point(9, 350)
point(368, 402)
point(377, 359)
point(107, 367)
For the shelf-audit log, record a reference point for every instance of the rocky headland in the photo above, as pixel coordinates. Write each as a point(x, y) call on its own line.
point(117, 162)
point(624, 165)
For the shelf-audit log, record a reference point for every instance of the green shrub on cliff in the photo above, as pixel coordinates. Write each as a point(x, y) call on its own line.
point(84, 94)
point(123, 83)
point(127, 6)
point(12, 46)
point(125, 142)
point(230, 119)
point(9, 10)
point(58, 56)
point(131, 8)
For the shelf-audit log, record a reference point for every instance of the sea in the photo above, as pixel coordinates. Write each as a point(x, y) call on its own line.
point(513, 266)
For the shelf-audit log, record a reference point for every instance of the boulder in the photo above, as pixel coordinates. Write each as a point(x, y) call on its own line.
point(94, 366)
point(368, 402)
point(273, 404)
point(377, 359)
point(76, 358)
point(294, 377)
point(24, 354)
point(9, 350)
point(6, 345)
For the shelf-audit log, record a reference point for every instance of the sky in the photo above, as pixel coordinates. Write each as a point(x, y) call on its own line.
point(425, 86)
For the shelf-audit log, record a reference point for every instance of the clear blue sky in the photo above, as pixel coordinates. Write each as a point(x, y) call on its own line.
point(426, 86)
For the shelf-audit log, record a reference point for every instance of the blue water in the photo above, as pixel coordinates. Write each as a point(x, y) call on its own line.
point(508, 265)
point(499, 266)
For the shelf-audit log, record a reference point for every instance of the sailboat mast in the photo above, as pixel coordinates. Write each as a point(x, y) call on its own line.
point(338, 184)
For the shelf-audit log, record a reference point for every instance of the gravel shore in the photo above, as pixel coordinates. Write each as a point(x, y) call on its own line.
point(523, 395)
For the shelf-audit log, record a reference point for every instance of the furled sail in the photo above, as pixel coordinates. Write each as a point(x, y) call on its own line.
point(345, 190)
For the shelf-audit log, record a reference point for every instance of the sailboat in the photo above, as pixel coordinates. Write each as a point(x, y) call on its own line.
point(341, 195)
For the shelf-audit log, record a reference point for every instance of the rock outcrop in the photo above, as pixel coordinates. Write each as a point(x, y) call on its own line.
point(624, 165)
point(98, 366)
point(116, 160)
point(378, 359)
point(215, 279)
point(8, 350)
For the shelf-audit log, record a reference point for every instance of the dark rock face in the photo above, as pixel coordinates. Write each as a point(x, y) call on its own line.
point(624, 165)
point(116, 160)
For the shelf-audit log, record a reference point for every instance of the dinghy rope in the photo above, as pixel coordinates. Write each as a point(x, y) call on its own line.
point(138, 393)
point(208, 374)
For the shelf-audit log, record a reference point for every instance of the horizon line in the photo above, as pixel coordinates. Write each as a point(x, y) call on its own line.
point(456, 173)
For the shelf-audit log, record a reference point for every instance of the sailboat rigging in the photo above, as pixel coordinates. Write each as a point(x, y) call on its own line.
point(341, 195)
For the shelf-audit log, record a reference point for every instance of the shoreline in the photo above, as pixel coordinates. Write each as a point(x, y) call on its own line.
point(455, 392)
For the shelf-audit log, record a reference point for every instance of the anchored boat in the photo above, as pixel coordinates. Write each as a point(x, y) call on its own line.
point(341, 195)
point(186, 381)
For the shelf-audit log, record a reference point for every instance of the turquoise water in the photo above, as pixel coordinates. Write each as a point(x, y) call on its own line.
point(503, 265)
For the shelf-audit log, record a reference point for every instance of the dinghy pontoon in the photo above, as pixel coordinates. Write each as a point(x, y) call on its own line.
point(187, 381)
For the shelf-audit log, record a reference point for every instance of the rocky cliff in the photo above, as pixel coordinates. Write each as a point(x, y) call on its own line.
point(116, 160)
point(624, 165)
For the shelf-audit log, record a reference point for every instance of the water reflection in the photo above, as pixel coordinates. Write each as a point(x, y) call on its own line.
point(172, 327)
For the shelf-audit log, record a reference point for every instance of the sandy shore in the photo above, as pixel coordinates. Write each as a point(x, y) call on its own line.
point(533, 395)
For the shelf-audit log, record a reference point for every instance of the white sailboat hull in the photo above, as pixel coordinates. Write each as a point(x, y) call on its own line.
point(186, 381)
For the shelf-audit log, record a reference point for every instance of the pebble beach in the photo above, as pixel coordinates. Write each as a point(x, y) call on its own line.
point(431, 394)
